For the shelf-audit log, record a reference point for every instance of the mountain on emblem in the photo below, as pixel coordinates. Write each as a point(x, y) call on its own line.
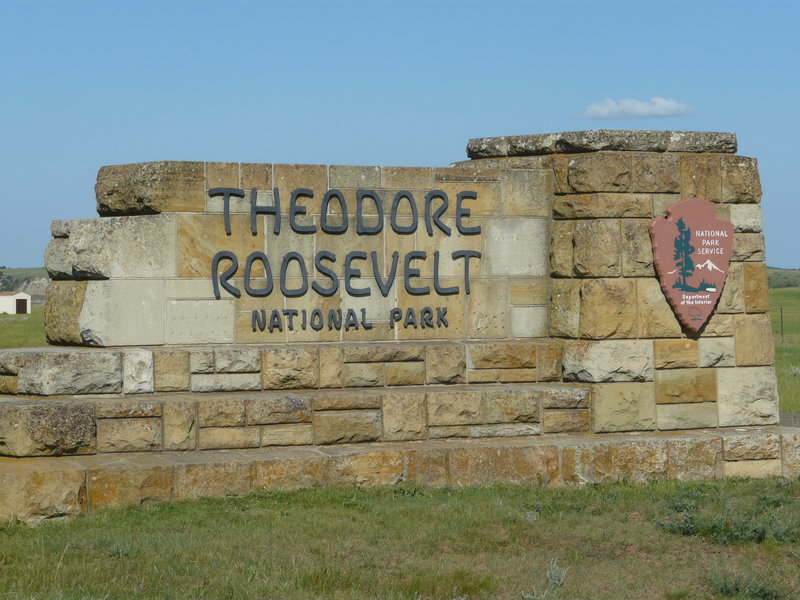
point(684, 242)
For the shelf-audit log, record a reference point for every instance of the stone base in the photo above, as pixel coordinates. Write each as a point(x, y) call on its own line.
point(32, 489)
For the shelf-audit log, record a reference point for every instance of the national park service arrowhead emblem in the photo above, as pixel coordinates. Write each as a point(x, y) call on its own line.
point(692, 253)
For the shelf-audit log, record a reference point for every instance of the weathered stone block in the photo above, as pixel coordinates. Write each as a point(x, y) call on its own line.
point(694, 459)
point(41, 494)
point(605, 462)
point(287, 435)
point(675, 386)
point(596, 248)
point(701, 177)
point(201, 361)
point(637, 249)
point(565, 421)
point(111, 486)
point(144, 322)
point(374, 468)
point(347, 426)
point(479, 465)
point(675, 354)
point(291, 470)
point(719, 326)
point(686, 416)
point(608, 308)
point(504, 430)
point(404, 373)
point(363, 374)
point(750, 446)
point(549, 361)
point(516, 375)
point(746, 218)
point(600, 172)
point(180, 424)
point(171, 370)
point(754, 343)
point(502, 239)
point(128, 407)
point(221, 410)
point(445, 363)
point(526, 192)
point(790, 444)
point(350, 176)
point(528, 321)
point(405, 417)
point(608, 360)
point(740, 181)
point(290, 368)
point(482, 375)
point(383, 353)
point(330, 368)
point(716, 352)
point(747, 396)
point(564, 396)
point(217, 476)
point(753, 468)
point(200, 321)
point(137, 372)
point(237, 360)
point(656, 319)
point(50, 373)
point(565, 308)
point(756, 299)
point(256, 175)
point(624, 407)
point(128, 435)
point(8, 384)
point(732, 298)
point(561, 252)
point(657, 173)
point(150, 188)
point(226, 382)
point(47, 429)
point(512, 406)
point(487, 308)
point(503, 355)
point(455, 408)
point(265, 409)
point(529, 291)
point(347, 400)
point(748, 247)
point(598, 206)
point(216, 438)
point(62, 310)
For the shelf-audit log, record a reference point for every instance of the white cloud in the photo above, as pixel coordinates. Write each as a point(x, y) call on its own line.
point(628, 108)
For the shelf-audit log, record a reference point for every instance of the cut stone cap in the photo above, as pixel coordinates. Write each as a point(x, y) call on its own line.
point(593, 140)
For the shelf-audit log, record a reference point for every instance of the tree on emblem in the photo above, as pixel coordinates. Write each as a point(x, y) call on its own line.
point(683, 257)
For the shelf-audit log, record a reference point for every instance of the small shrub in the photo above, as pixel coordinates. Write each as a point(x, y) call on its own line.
point(755, 584)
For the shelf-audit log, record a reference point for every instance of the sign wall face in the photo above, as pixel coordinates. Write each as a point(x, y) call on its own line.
point(692, 252)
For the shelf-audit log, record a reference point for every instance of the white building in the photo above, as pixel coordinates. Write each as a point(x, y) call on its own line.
point(15, 303)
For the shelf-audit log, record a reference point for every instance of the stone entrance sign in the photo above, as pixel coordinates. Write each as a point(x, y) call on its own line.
point(227, 327)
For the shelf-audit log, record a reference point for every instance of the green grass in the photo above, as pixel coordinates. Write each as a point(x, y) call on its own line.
point(787, 346)
point(22, 331)
point(416, 543)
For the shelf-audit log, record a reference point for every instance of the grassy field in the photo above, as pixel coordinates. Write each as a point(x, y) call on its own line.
point(780, 278)
point(666, 540)
point(787, 345)
point(20, 331)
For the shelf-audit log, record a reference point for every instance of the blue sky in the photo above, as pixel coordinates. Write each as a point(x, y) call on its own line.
point(87, 84)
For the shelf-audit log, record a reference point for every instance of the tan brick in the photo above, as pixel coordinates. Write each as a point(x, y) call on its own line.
point(599, 172)
point(445, 363)
point(404, 373)
point(656, 319)
point(748, 247)
point(286, 368)
point(517, 375)
point(291, 471)
point(120, 486)
point(407, 177)
point(624, 407)
point(347, 426)
point(256, 175)
point(529, 291)
point(363, 374)
point(637, 249)
point(719, 326)
point(740, 181)
point(561, 253)
point(200, 237)
point(694, 459)
point(686, 416)
point(754, 343)
point(221, 410)
point(747, 396)
point(675, 354)
point(526, 193)
point(716, 352)
point(675, 386)
point(288, 177)
point(482, 375)
point(128, 435)
point(565, 421)
point(550, 361)
point(701, 177)
point(756, 299)
point(751, 446)
point(487, 306)
point(330, 368)
point(654, 172)
point(597, 206)
point(166, 186)
point(565, 308)
point(746, 218)
point(221, 174)
point(267, 409)
point(478, 465)
point(171, 370)
point(455, 408)
point(347, 400)
point(405, 417)
point(63, 305)
point(211, 479)
point(596, 248)
point(374, 468)
point(350, 176)
point(608, 308)
point(8, 384)
point(512, 406)
point(298, 434)
point(732, 298)
point(503, 355)
point(180, 424)
point(216, 438)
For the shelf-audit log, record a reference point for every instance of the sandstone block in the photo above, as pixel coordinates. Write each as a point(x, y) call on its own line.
point(502, 239)
point(561, 253)
point(449, 431)
point(549, 361)
point(290, 471)
point(405, 417)
point(565, 421)
point(70, 372)
point(751, 446)
point(656, 319)
point(512, 406)
point(503, 355)
point(171, 370)
point(676, 354)
point(143, 324)
point(62, 310)
point(487, 309)
point(605, 462)
point(237, 360)
point(747, 396)
point(330, 368)
point(701, 177)
point(516, 375)
point(756, 299)
point(137, 372)
point(740, 181)
point(383, 353)
point(425, 465)
point(47, 429)
point(445, 363)
point(732, 298)
point(256, 175)
point(350, 176)
point(748, 247)
point(347, 426)
point(200, 321)
point(608, 360)
point(216, 438)
point(477, 465)
point(407, 177)
point(264, 409)
point(746, 218)
point(524, 292)
point(790, 443)
point(608, 308)
point(686, 416)
point(347, 401)
point(753, 468)
point(694, 459)
point(8, 384)
point(150, 188)
point(363, 374)
point(111, 486)
point(220, 410)
point(674, 386)
point(226, 382)
point(111, 248)
point(716, 352)
point(287, 435)
point(528, 321)
point(596, 248)
point(637, 249)
point(624, 407)
point(600, 172)
point(216, 477)
point(598, 206)
point(482, 376)
point(201, 361)
point(656, 173)
point(526, 192)
point(505, 430)
point(32, 496)
point(128, 407)
point(374, 468)
point(128, 435)
point(719, 326)
point(404, 373)
point(564, 396)
point(455, 408)
point(290, 368)
point(180, 424)
point(222, 174)
point(565, 308)
point(754, 343)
